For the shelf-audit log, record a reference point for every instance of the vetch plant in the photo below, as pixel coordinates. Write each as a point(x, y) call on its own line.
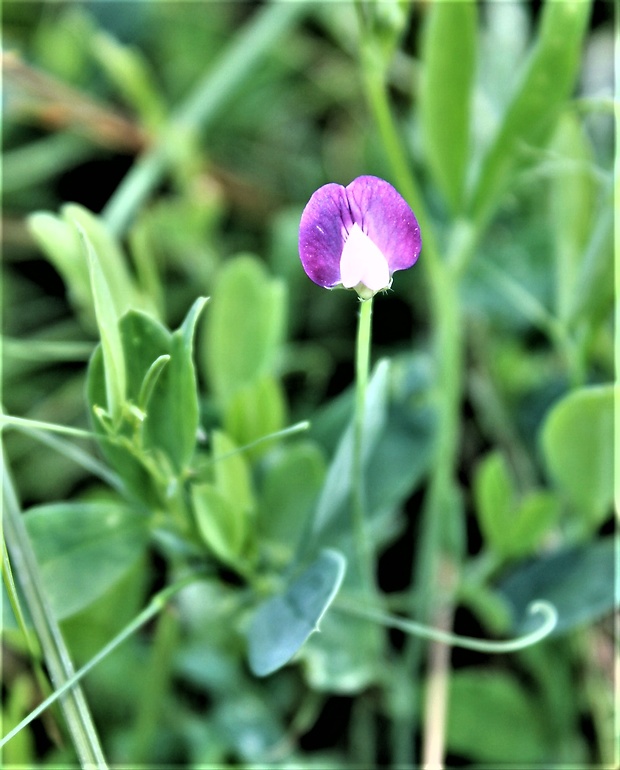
point(239, 497)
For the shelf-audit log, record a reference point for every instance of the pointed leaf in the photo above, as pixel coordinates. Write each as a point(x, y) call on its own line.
point(449, 62)
point(546, 82)
point(107, 321)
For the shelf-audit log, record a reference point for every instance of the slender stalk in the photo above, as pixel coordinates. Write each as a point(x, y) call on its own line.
point(31, 645)
point(156, 604)
point(213, 91)
point(543, 608)
point(442, 280)
point(362, 368)
point(57, 658)
point(438, 681)
point(155, 687)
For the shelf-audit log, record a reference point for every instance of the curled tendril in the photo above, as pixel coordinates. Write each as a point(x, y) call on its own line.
point(539, 607)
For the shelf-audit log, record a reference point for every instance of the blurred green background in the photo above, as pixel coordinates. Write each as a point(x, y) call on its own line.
point(515, 178)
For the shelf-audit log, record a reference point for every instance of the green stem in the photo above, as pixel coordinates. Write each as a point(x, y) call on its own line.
point(442, 492)
point(215, 89)
point(362, 369)
point(57, 658)
point(157, 603)
point(543, 608)
point(442, 280)
point(397, 156)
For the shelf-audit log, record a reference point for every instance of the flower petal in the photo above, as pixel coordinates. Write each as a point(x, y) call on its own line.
point(384, 215)
point(322, 231)
point(363, 263)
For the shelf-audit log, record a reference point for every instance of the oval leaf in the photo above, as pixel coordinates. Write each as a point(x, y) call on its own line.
point(283, 623)
point(577, 440)
point(83, 549)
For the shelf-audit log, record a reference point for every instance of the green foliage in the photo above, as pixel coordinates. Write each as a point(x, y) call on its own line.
point(244, 329)
point(579, 581)
point(578, 443)
point(155, 436)
point(449, 51)
point(291, 484)
point(225, 509)
point(487, 438)
point(84, 549)
point(512, 525)
point(481, 708)
point(283, 623)
point(546, 80)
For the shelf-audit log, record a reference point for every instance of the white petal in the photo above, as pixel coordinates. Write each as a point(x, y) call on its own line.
point(362, 262)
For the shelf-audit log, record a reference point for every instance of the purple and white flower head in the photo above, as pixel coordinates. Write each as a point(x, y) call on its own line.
point(358, 236)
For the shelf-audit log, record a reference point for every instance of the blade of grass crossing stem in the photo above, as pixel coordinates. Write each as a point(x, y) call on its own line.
point(55, 653)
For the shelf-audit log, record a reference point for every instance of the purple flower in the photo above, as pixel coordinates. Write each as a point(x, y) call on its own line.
point(358, 236)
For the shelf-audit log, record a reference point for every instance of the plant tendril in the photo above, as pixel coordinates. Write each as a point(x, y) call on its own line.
point(540, 607)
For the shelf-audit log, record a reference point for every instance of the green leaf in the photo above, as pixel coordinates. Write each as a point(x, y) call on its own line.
point(512, 730)
point(60, 243)
point(172, 417)
point(534, 517)
point(578, 581)
point(495, 496)
point(511, 525)
point(291, 483)
point(127, 69)
point(404, 448)
point(123, 290)
point(255, 410)
point(232, 473)
point(165, 393)
point(83, 549)
point(245, 326)
point(577, 441)
point(224, 508)
point(337, 488)
point(58, 238)
point(449, 62)
point(284, 622)
point(546, 82)
point(221, 525)
point(139, 473)
point(593, 296)
point(107, 321)
point(333, 664)
point(144, 340)
point(571, 199)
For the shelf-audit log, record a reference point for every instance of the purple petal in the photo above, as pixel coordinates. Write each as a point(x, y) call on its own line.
point(322, 232)
point(374, 205)
point(384, 215)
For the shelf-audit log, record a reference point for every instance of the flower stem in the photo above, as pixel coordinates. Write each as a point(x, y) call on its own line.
point(362, 369)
